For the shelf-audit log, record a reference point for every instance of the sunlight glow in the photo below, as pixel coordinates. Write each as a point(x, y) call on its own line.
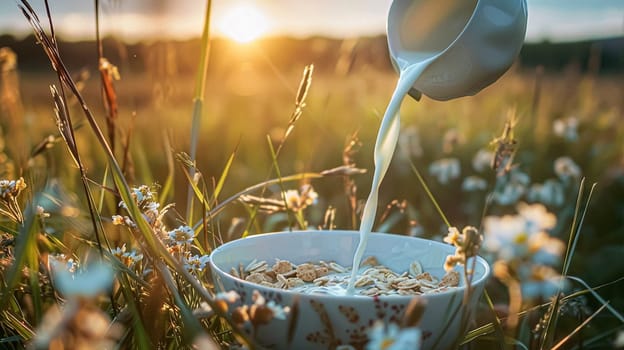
point(243, 23)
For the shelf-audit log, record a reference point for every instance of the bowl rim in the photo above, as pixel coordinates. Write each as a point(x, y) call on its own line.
point(460, 289)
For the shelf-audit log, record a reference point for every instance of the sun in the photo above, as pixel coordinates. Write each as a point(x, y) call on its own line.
point(243, 23)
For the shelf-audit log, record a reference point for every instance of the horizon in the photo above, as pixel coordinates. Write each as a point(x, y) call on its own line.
point(554, 21)
point(270, 37)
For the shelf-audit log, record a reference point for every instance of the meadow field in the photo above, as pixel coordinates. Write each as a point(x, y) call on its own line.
point(556, 131)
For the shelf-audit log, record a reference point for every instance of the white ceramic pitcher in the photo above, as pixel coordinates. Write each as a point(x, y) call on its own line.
point(472, 42)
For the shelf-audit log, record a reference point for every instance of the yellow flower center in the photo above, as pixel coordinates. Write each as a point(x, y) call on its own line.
point(386, 343)
point(521, 238)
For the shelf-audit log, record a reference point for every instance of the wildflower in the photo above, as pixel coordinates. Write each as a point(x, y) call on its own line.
point(504, 235)
point(279, 312)
point(467, 245)
point(127, 258)
point(540, 281)
point(537, 218)
point(474, 183)
point(196, 263)
point(566, 128)
point(262, 312)
point(79, 323)
point(566, 169)
point(513, 236)
point(181, 235)
point(117, 220)
point(510, 191)
point(71, 265)
point(409, 143)
point(297, 201)
point(551, 192)
point(130, 258)
point(122, 220)
point(204, 310)
point(229, 296)
point(292, 198)
point(391, 337)
point(482, 160)
point(118, 251)
point(9, 191)
point(445, 169)
point(221, 301)
point(146, 200)
point(451, 139)
point(524, 250)
point(42, 213)
point(546, 249)
point(89, 283)
point(142, 194)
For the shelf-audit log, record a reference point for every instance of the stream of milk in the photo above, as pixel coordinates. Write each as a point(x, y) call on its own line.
point(387, 138)
point(411, 66)
point(421, 42)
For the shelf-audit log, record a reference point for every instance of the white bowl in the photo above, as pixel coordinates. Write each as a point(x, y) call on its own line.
point(441, 323)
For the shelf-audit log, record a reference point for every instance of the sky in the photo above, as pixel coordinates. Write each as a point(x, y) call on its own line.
point(554, 20)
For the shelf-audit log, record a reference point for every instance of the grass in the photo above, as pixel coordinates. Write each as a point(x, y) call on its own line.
point(77, 180)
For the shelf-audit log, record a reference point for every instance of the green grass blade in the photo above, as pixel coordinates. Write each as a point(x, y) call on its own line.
point(429, 193)
point(478, 332)
point(577, 222)
point(595, 294)
point(9, 230)
point(19, 325)
point(280, 183)
point(547, 338)
point(167, 189)
point(226, 170)
point(193, 186)
point(198, 101)
point(577, 329)
point(577, 233)
point(497, 324)
point(35, 288)
point(481, 331)
point(13, 339)
point(25, 247)
point(141, 337)
point(191, 328)
point(100, 204)
point(190, 201)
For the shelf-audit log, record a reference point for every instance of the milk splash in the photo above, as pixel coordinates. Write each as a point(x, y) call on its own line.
point(387, 138)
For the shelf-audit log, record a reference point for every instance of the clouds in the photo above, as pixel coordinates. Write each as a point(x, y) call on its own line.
point(567, 20)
